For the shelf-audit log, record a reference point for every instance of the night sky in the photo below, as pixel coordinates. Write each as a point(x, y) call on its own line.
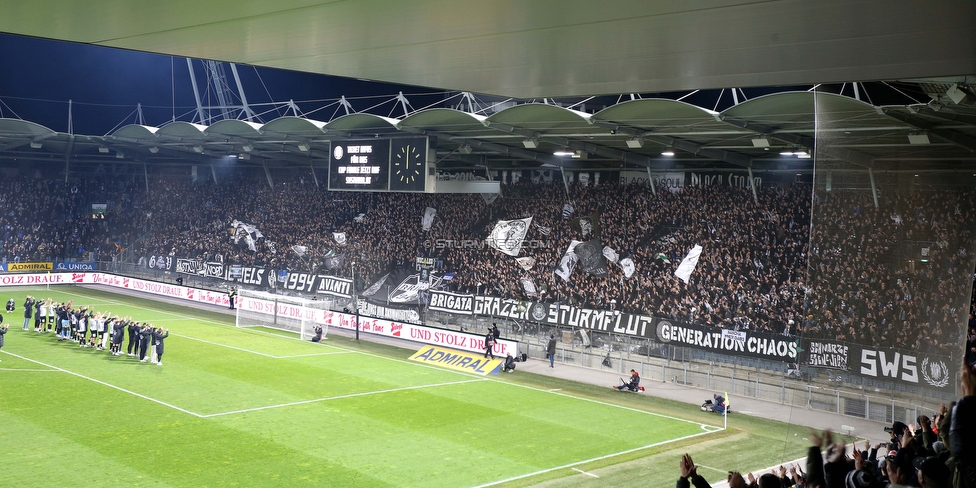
point(39, 76)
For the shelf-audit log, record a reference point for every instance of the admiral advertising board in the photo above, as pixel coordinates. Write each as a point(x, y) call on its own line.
point(28, 267)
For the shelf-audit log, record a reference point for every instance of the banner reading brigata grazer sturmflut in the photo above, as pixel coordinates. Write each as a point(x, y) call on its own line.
point(726, 341)
point(607, 321)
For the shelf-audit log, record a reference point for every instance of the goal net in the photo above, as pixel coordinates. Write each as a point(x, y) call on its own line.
point(294, 314)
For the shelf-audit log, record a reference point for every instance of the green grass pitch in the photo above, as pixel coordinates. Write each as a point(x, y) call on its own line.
point(254, 407)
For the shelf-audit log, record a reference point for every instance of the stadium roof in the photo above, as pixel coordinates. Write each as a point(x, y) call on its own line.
point(527, 51)
point(630, 134)
point(537, 49)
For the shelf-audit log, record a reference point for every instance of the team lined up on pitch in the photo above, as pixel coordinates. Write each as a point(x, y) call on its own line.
point(97, 330)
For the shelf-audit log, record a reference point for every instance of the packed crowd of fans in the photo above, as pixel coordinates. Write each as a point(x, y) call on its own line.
point(935, 452)
point(753, 274)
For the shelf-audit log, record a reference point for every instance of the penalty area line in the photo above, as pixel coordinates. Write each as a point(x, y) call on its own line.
point(585, 461)
point(144, 397)
point(584, 472)
point(337, 397)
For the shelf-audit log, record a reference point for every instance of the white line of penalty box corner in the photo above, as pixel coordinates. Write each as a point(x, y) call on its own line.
point(53, 368)
point(705, 427)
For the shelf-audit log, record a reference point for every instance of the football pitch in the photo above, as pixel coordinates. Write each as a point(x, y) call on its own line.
point(255, 407)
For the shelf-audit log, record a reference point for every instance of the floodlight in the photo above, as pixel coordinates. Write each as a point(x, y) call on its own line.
point(635, 143)
point(530, 143)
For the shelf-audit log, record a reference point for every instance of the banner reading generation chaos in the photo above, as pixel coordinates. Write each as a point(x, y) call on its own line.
point(27, 267)
point(736, 342)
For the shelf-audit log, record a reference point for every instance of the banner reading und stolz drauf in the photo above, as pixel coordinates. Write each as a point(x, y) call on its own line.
point(370, 325)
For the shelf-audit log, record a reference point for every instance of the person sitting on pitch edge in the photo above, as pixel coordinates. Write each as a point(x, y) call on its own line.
point(318, 333)
point(509, 364)
point(633, 384)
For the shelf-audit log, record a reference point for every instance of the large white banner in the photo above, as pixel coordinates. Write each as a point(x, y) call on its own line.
point(428, 219)
point(688, 264)
point(507, 235)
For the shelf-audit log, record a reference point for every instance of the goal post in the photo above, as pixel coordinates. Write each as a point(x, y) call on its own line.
point(282, 312)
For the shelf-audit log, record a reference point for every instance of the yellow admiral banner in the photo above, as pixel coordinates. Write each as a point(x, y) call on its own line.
point(21, 267)
point(468, 362)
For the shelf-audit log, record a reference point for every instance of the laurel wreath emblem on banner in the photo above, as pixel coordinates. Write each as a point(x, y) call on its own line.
point(935, 373)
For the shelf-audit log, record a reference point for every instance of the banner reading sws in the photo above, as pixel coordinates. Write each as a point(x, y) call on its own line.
point(880, 363)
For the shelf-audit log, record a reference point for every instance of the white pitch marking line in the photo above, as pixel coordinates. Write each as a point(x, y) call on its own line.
point(599, 402)
point(711, 468)
point(256, 352)
point(144, 397)
point(338, 397)
point(584, 472)
point(585, 461)
point(313, 354)
point(27, 370)
point(425, 365)
point(224, 345)
point(554, 389)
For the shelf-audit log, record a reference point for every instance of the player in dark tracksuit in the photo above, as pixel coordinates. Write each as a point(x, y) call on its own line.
point(118, 334)
point(37, 315)
point(145, 334)
point(133, 332)
point(158, 336)
point(28, 309)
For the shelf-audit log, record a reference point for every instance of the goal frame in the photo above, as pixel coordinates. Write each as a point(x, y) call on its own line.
point(281, 312)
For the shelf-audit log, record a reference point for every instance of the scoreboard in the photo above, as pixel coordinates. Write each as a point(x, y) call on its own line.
point(396, 164)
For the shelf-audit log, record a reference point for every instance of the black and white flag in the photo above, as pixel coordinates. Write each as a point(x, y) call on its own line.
point(489, 197)
point(529, 286)
point(335, 262)
point(248, 232)
point(591, 259)
point(271, 246)
point(428, 220)
point(587, 225)
point(688, 264)
point(568, 211)
point(526, 262)
point(543, 230)
point(250, 242)
point(359, 218)
point(507, 236)
point(627, 264)
point(610, 254)
point(340, 238)
point(299, 250)
point(568, 262)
